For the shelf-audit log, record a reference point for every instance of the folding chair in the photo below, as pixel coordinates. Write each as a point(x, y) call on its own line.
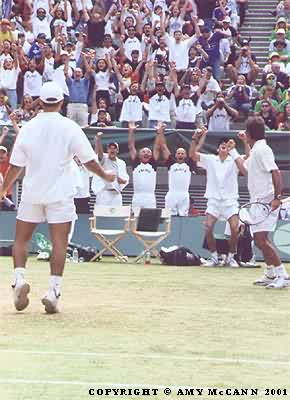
point(110, 237)
point(150, 238)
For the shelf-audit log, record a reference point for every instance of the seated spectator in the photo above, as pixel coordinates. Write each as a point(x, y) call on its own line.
point(101, 104)
point(222, 11)
point(284, 119)
point(210, 90)
point(277, 58)
point(280, 78)
point(276, 90)
point(26, 111)
point(269, 115)
point(283, 9)
point(280, 24)
point(188, 110)
point(245, 64)
point(280, 37)
point(268, 95)
point(101, 119)
point(239, 95)
point(5, 31)
point(5, 108)
point(220, 114)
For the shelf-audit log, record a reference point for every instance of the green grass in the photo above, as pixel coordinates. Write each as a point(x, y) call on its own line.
point(136, 324)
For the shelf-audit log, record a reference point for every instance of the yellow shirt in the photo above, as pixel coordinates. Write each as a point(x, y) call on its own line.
point(6, 36)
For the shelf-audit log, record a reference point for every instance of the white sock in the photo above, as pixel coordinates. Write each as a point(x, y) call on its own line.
point(281, 271)
point(18, 275)
point(270, 271)
point(231, 255)
point(55, 282)
point(214, 254)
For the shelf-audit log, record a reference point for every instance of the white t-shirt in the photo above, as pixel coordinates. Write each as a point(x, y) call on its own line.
point(48, 71)
point(186, 111)
point(179, 177)
point(45, 147)
point(39, 26)
point(60, 79)
point(219, 121)
point(82, 181)
point(32, 83)
point(119, 167)
point(212, 88)
point(259, 166)
point(159, 108)
point(132, 44)
point(175, 24)
point(8, 78)
point(131, 109)
point(178, 52)
point(102, 80)
point(221, 176)
point(144, 177)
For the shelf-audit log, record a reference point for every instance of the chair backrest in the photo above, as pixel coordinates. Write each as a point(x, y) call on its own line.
point(108, 211)
point(149, 219)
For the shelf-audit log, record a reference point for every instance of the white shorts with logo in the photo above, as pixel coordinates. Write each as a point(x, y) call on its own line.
point(53, 213)
point(269, 225)
point(109, 198)
point(178, 202)
point(144, 200)
point(222, 209)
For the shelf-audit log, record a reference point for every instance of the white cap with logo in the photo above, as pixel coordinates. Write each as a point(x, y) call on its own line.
point(51, 93)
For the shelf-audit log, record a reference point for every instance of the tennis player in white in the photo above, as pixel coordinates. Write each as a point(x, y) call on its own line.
point(222, 197)
point(45, 147)
point(265, 185)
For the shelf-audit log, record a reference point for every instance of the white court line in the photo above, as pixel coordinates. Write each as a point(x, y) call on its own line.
point(151, 356)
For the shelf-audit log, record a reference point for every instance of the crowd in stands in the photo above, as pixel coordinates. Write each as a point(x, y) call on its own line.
point(142, 60)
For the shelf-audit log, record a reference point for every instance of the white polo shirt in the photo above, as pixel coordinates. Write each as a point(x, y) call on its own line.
point(222, 177)
point(45, 147)
point(130, 45)
point(178, 52)
point(259, 165)
point(8, 78)
point(131, 109)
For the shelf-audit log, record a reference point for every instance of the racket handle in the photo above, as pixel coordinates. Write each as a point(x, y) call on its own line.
point(285, 200)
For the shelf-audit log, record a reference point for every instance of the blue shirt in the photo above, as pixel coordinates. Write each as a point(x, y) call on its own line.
point(78, 90)
point(212, 46)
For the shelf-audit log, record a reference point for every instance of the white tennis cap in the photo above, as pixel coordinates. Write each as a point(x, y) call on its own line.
point(51, 93)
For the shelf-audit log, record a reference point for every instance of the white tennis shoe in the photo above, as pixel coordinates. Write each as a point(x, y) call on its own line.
point(279, 283)
point(50, 301)
point(265, 280)
point(212, 262)
point(231, 262)
point(20, 295)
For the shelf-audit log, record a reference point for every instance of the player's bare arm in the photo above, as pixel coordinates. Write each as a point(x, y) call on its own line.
point(198, 139)
point(231, 145)
point(10, 177)
point(98, 146)
point(95, 167)
point(160, 145)
point(131, 140)
point(278, 188)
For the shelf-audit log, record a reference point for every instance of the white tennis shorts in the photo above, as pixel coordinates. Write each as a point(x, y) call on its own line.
point(109, 198)
point(144, 200)
point(222, 209)
point(178, 202)
point(54, 213)
point(269, 225)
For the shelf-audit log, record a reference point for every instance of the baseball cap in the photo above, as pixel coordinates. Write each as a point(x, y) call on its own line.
point(200, 22)
point(281, 19)
point(41, 36)
point(3, 148)
point(115, 144)
point(274, 54)
point(281, 30)
point(227, 19)
point(51, 93)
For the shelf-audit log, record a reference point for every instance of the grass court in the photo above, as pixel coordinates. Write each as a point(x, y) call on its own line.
point(137, 325)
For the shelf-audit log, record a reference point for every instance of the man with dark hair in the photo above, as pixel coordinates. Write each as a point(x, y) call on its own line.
point(222, 196)
point(265, 185)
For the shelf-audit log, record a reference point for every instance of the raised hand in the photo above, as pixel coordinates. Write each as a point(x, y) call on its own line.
point(231, 144)
point(110, 176)
point(242, 136)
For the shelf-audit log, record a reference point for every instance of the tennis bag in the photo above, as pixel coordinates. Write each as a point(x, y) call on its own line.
point(178, 256)
point(245, 250)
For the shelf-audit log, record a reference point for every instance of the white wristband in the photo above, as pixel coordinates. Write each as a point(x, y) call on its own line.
point(234, 154)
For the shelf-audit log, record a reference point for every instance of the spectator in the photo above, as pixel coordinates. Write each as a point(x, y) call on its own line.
point(40, 23)
point(278, 58)
point(101, 104)
point(9, 76)
point(239, 95)
point(268, 94)
point(269, 115)
point(220, 114)
point(26, 112)
point(280, 37)
point(188, 111)
point(32, 77)
point(283, 9)
point(102, 78)
point(245, 64)
point(159, 105)
point(132, 105)
point(78, 85)
point(101, 119)
point(280, 24)
point(5, 31)
point(210, 90)
point(284, 119)
point(5, 108)
point(280, 78)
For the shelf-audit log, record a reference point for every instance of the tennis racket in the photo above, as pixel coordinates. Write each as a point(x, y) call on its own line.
point(256, 212)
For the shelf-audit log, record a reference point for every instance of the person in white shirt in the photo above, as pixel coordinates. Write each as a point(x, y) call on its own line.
point(159, 106)
point(222, 196)
point(32, 78)
point(180, 169)
point(220, 115)
point(45, 147)
point(144, 167)
point(41, 23)
point(110, 193)
point(265, 185)
point(9, 76)
point(132, 104)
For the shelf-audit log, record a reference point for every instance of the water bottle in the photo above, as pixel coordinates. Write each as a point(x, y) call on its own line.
point(147, 257)
point(75, 256)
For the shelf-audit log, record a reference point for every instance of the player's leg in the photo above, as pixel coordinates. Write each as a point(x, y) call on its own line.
point(170, 202)
point(209, 224)
point(21, 288)
point(183, 204)
point(233, 241)
point(275, 276)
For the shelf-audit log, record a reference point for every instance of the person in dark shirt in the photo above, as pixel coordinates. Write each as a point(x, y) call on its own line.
point(268, 113)
point(205, 10)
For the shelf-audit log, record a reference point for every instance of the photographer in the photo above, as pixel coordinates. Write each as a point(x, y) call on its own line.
point(239, 95)
point(220, 114)
point(245, 64)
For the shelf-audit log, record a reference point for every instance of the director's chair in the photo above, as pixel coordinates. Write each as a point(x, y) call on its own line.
point(110, 237)
point(145, 224)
